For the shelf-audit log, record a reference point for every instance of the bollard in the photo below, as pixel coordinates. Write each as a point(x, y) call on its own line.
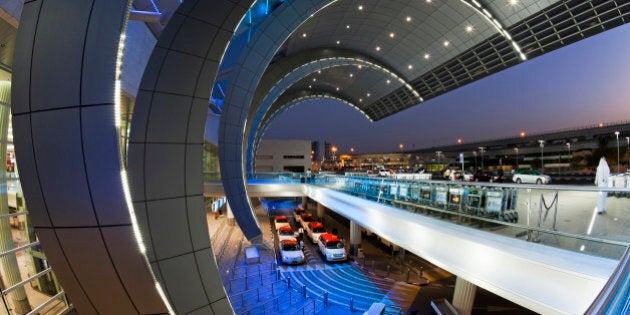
point(326, 298)
point(304, 290)
point(278, 274)
point(408, 273)
point(289, 283)
point(388, 269)
point(351, 304)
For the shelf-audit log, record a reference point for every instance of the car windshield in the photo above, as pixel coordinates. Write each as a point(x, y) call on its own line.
point(334, 245)
point(290, 247)
point(319, 230)
point(286, 232)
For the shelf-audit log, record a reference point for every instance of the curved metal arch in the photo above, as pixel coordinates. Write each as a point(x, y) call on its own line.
point(287, 101)
point(481, 9)
point(292, 76)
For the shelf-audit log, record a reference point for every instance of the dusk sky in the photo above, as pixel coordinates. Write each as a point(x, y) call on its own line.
point(583, 84)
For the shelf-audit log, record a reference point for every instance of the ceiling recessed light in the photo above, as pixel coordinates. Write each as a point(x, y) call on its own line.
point(360, 7)
point(368, 94)
point(348, 26)
point(427, 56)
point(360, 67)
point(310, 86)
point(392, 35)
point(428, 1)
point(319, 71)
point(360, 100)
point(513, 2)
point(469, 28)
point(351, 75)
point(388, 81)
point(303, 34)
point(446, 43)
point(338, 42)
point(314, 79)
point(410, 67)
point(408, 19)
point(337, 89)
point(378, 48)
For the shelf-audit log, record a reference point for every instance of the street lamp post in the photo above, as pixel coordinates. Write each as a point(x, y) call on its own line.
point(516, 150)
point(542, 155)
point(617, 136)
point(482, 150)
point(570, 156)
point(438, 153)
point(628, 154)
point(475, 154)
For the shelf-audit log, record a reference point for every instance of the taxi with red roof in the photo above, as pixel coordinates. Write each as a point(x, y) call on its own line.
point(331, 247)
point(291, 252)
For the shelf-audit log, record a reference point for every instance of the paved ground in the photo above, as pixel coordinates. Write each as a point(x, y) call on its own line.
point(408, 287)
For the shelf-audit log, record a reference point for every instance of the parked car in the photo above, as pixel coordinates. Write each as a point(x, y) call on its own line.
point(531, 177)
point(291, 252)
point(305, 219)
point(331, 247)
point(461, 176)
point(286, 233)
point(314, 230)
point(280, 221)
point(489, 176)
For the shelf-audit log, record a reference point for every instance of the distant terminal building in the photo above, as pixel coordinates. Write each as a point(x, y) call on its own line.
point(283, 156)
point(571, 150)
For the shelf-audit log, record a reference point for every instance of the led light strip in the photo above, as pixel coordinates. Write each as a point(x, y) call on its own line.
point(496, 24)
point(123, 172)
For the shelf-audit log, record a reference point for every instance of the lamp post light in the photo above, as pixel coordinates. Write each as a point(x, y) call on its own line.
point(617, 136)
point(628, 153)
point(401, 146)
point(516, 150)
point(482, 150)
point(542, 155)
point(438, 153)
point(570, 156)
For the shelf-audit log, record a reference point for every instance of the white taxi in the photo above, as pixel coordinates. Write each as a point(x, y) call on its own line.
point(281, 220)
point(314, 230)
point(285, 233)
point(331, 247)
point(291, 253)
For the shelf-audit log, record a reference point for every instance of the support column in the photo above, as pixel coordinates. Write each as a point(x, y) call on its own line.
point(321, 212)
point(305, 203)
point(464, 296)
point(230, 215)
point(355, 238)
point(9, 263)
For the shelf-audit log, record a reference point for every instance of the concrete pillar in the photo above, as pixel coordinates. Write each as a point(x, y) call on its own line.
point(230, 214)
point(305, 202)
point(355, 238)
point(464, 296)
point(9, 263)
point(321, 211)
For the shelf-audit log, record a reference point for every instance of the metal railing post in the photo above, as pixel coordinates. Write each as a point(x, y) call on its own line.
point(289, 283)
point(304, 290)
point(351, 304)
point(325, 298)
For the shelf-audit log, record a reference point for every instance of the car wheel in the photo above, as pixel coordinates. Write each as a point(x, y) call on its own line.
point(518, 181)
point(538, 181)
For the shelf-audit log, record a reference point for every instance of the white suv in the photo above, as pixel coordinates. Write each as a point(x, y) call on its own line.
point(331, 247)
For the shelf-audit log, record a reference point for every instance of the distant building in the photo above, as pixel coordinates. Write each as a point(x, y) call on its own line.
point(315, 150)
point(283, 156)
point(328, 154)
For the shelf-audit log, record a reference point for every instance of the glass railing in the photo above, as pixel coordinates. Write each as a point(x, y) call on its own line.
point(559, 216)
